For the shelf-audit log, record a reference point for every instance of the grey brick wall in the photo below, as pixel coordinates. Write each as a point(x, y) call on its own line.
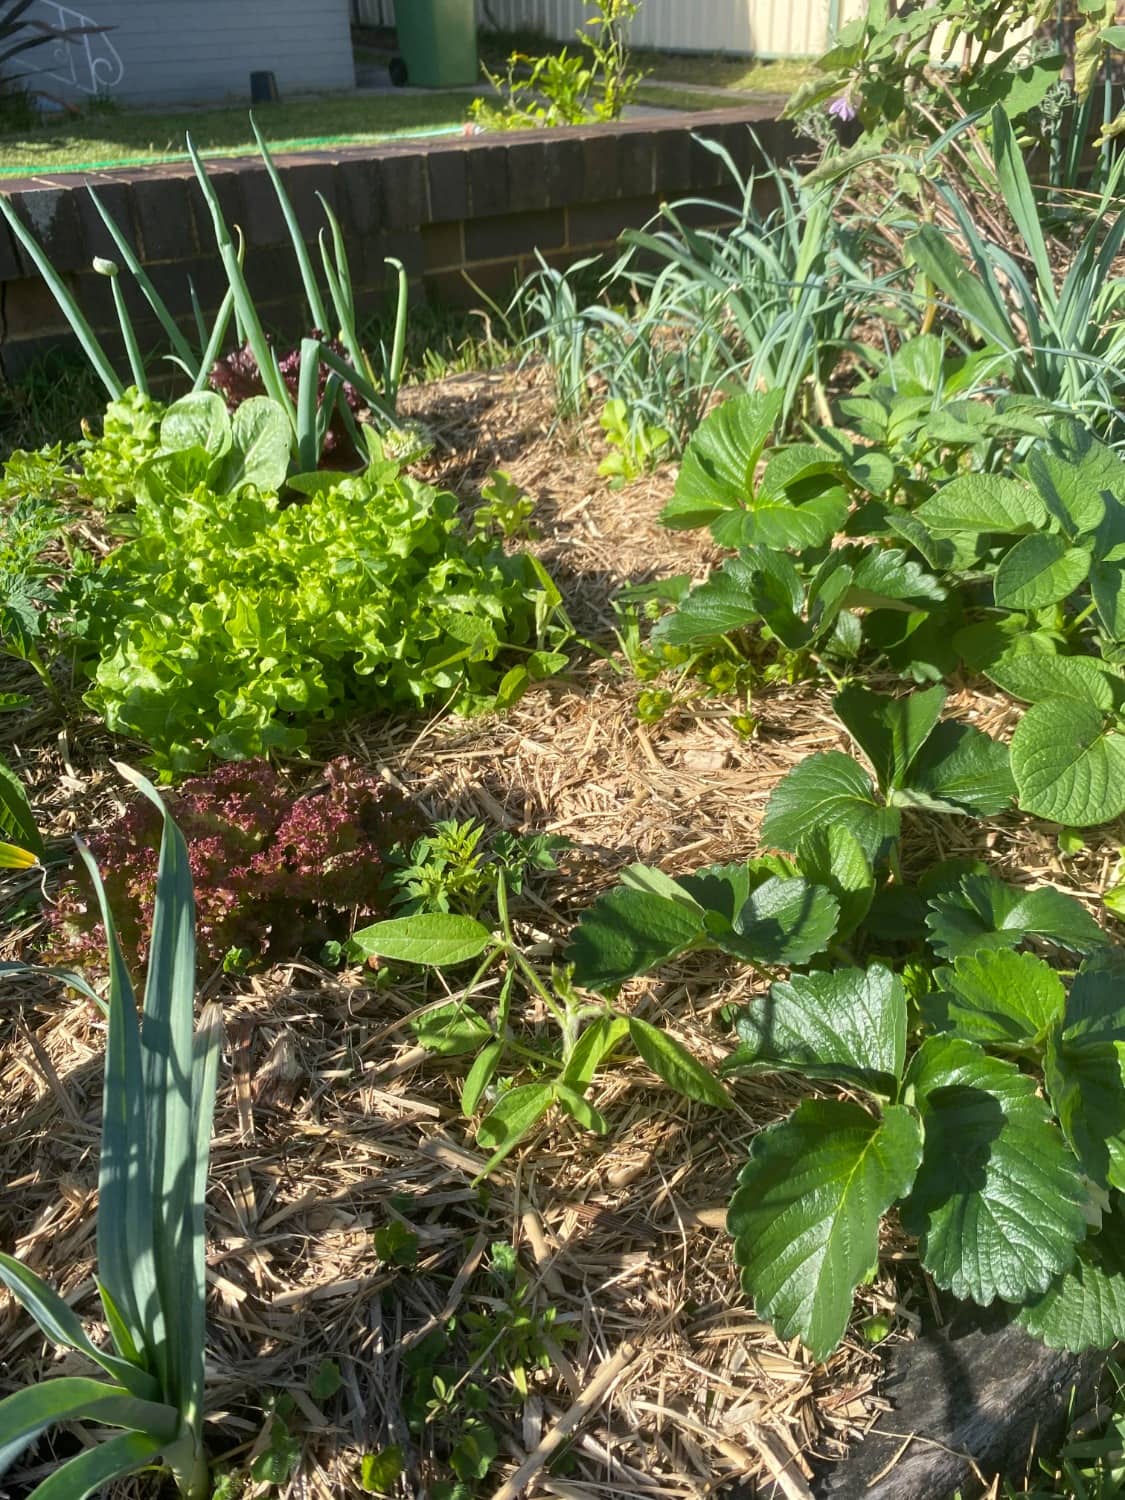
point(187, 51)
point(476, 207)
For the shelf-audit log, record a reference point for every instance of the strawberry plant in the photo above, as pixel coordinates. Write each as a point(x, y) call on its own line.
point(801, 497)
point(648, 919)
point(986, 1101)
point(985, 1094)
point(815, 610)
point(841, 828)
point(918, 407)
point(918, 762)
point(978, 911)
point(766, 912)
point(996, 1126)
point(986, 1097)
point(1053, 535)
point(1019, 574)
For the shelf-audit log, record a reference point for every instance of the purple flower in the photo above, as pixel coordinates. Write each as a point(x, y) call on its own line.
point(842, 108)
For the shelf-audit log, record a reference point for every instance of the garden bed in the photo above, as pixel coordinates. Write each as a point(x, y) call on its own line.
point(332, 1123)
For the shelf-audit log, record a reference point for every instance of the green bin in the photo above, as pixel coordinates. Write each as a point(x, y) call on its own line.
point(438, 43)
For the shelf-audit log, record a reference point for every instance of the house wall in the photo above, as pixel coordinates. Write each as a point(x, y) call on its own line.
point(172, 51)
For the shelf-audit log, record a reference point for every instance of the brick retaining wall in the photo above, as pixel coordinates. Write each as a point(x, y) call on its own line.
point(479, 205)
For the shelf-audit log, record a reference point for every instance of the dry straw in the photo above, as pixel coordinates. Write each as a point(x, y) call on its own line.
point(328, 1110)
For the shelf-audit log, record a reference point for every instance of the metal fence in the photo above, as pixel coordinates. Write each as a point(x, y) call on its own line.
point(763, 28)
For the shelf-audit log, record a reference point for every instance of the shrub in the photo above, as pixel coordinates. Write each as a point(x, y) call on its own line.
point(273, 872)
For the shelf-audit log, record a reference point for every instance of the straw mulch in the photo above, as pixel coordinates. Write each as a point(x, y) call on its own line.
point(332, 1122)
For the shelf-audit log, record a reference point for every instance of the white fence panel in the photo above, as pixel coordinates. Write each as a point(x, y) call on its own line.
point(761, 28)
point(764, 28)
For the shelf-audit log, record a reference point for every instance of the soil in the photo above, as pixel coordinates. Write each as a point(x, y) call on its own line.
point(332, 1122)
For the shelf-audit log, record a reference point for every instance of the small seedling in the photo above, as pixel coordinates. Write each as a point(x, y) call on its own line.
point(636, 446)
point(558, 1074)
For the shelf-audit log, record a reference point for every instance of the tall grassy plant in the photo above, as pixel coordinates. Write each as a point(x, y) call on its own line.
point(770, 292)
point(551, 304)
point(377, 380)
point(1064, 343)
point(158, 1102)
point(766, 301)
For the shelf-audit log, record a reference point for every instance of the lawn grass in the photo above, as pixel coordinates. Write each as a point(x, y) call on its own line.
point(659, 96)
point(711, 70)
point(134, 135)
point(706, 70)
point(124, 137)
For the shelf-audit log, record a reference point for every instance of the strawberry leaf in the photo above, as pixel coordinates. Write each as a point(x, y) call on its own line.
point(889, 731)
point(847, 1025)
point(825, 790)
point(832, 857)
point(1084, 1069)
point(998, 996)
point(1084, 1308)
point(958, 770)
point(717, 471)
point(998, 1201)
point(985, 913)
point(805, 1217)
point(627, 932)
point(783, 922)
